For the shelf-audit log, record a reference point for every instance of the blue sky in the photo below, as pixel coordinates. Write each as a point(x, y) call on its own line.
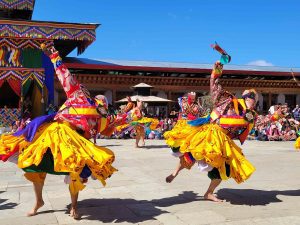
point(262, 32)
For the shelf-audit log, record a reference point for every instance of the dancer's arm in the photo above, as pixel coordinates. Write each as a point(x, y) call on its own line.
point(67, 80)
point(220, 97)
point(215, 86)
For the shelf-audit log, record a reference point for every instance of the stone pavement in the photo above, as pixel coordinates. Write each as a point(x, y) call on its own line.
point(138, 194)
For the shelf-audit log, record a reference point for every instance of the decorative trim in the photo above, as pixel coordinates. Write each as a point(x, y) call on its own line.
point(85, 33)
point(17, 4)
point(23, 75)
point(11, 50)
point(118, 80)
point(20, 43)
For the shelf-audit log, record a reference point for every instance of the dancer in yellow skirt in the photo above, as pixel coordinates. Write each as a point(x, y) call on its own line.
point(297, 143)
point(134, 119)
point(59, 143)
point(190, 109)
point(208, 140)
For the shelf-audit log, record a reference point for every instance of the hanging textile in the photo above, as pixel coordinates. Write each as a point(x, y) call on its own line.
point(10, 57)
point(49, 77)
point(1, 83)
point(36, 102)
point(32, 58)
point(37, 77)
point(26, 86)
point(15, 85)
point(2, 56)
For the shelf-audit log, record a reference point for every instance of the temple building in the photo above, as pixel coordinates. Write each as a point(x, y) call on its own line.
point(26, 74)
point(114, 78)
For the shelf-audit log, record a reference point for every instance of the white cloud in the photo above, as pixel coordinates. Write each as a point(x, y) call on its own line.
point(260, 62)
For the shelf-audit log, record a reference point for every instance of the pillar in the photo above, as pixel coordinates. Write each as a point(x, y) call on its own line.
point(281, 98)
point(114, 95)
point(260, 102)
point(109, 95)
point(298, 99)
point(169, 94)
point(269, 100)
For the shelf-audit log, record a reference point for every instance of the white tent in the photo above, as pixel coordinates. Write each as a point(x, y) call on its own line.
point(145, 99)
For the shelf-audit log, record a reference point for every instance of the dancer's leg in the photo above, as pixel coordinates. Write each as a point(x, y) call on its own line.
point(179, 167)
point(209, 195)
point(142, 136)
point(138, 136)
point(215, 177)
point(137, 139)
point(73, 210)
point(38, 184)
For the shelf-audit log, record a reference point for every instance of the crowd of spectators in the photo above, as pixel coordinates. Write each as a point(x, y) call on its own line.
point(279, 124)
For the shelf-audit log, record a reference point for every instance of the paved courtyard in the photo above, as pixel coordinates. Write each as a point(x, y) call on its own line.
point(138, 194)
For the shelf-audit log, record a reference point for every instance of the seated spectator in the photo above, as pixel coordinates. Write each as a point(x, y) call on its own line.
point(296, 113)
point(151, 135)
point(274, 133)
point(288, 135)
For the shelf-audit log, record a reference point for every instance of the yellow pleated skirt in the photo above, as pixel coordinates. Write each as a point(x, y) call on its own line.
point(71, 152)
point(297, 143)
point(144, 120)
point(210, 142)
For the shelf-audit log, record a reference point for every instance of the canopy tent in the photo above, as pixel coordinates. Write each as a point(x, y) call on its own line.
point(145, 99)
point(154, 105)
point(142, 91)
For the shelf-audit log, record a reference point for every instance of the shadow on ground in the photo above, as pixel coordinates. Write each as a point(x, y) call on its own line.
point(130, 210)
point(253, 197)
point(8, 205)
point(106, 146)
point(154, 146)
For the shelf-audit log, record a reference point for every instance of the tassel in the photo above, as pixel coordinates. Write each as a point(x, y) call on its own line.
point(217, 47)
point(225, 58)
point(42, 100)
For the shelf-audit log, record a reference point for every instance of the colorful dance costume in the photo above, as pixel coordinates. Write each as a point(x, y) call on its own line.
point(189, 110)
point(208, 140)
point(133, 119)
point(297, 143)
point(57, 143)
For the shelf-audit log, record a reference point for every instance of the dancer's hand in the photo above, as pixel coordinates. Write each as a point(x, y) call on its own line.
point(48, 48)
point(218, 65)
point(217, 70)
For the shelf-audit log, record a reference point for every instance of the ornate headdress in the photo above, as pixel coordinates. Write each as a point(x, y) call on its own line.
point(192, 93)
point(191, 97)
point(251, 93)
